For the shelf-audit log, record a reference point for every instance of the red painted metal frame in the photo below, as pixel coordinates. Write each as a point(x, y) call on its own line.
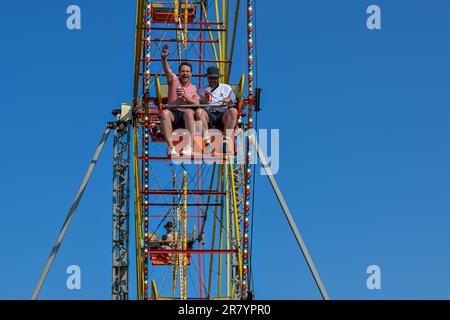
point(219, 159)
point(165, 216)
point(201, 23)
point(193, 60)
point(188, 40)
point(179, 192)
point(189, 29)
point(165, 204)
point(194, 251)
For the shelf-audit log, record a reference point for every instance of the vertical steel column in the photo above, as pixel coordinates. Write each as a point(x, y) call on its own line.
point(121, 211)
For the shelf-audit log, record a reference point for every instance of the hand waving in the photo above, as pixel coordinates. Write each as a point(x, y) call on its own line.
point(165, 51)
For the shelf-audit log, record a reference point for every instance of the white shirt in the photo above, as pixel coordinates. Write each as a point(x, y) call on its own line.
point(218, 94)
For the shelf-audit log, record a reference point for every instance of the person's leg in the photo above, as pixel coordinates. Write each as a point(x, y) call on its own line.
point(189, 121)
point(166, 125)
point(189, 124)
point(229, 121)
point(202, 115)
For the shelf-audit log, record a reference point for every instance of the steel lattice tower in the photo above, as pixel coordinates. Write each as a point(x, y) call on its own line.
point(121, 211)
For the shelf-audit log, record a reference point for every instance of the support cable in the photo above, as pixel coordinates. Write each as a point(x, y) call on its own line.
point(70, 215)
point(291, 222)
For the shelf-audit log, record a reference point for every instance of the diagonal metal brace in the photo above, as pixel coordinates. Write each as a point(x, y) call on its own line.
point(291, 222)
point(70, 215)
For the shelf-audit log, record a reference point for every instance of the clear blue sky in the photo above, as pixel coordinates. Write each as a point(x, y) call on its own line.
point(364, 126)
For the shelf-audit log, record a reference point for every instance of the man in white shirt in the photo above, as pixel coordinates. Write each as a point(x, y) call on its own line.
point(218, 114)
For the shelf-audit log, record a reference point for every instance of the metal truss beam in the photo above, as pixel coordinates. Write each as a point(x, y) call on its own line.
point(121, 211)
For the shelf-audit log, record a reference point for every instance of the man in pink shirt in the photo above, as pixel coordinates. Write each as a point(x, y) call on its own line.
point(181, 92)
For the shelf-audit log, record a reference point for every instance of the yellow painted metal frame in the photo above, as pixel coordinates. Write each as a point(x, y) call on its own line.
point(138, 219)
point(211, 37)
point(213, 241)
point(240, 92)
point(140, 9)
point(155, 295)
point(236, 220)
point(186, 8)
point(184, 289)
point(222, 212)
point(175, 11)
point(227, 228)
point(175, 214)
point(158, 92)
point(218, 33)
point(225, 19)
point(233, 39)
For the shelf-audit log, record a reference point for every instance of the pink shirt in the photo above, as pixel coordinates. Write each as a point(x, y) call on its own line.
point(190, 91)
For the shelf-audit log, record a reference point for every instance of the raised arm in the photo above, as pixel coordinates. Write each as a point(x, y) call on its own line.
point(164, 54)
